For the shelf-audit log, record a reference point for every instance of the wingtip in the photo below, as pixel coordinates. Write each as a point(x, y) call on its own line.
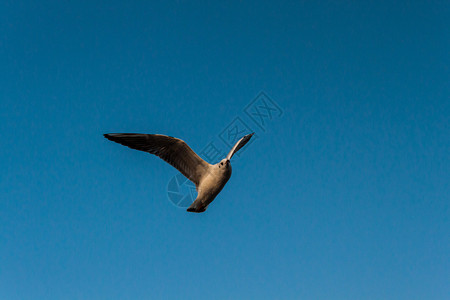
point(109, 136)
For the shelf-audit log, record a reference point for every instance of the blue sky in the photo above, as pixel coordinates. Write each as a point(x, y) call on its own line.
point(345, 195)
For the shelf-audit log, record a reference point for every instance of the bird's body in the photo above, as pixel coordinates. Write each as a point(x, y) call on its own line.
point(208, 179)
point(211, 185)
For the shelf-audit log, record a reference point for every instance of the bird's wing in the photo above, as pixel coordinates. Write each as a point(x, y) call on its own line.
point(241, 143)
point(174, 151)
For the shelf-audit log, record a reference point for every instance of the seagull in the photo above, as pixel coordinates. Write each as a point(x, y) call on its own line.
point(209, 179)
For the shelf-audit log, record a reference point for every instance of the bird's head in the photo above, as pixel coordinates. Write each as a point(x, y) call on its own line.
point(224, 164)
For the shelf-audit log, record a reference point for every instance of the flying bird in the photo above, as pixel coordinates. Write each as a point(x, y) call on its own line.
point(209, 179)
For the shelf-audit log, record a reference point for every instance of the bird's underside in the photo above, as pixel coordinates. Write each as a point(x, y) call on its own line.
point(208, 179)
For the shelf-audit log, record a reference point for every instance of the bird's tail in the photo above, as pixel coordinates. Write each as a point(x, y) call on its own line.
point(196, 207)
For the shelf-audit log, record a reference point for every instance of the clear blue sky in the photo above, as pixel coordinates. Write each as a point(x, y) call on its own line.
point(344, 196)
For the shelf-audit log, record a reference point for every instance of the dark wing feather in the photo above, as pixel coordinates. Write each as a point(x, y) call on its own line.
point(174, 151)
